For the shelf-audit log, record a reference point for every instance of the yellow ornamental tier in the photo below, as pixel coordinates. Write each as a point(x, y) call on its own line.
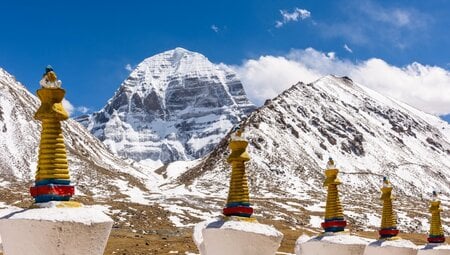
point(436, 231)
point(238, 202)
point(388, 219)
point(334, 215)
point(52, 163)
point(52, 181)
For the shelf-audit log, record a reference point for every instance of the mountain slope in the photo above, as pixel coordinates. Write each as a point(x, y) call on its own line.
point(368, 135)
point(176, 105)
point(94, 170)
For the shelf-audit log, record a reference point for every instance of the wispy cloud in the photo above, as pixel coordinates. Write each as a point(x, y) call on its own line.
point(294, 16)
point(370, 23)
point(72, 110)
point(348, 48)
point(215, 28)
point(422, 86)
point(128, 67)
point(83, 109)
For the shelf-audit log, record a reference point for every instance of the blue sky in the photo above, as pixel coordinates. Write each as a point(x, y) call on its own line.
point(89, 43)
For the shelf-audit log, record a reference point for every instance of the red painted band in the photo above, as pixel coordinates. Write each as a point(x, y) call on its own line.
point(436, 239)
point(388, 232)
point(237, 210)
point(334, 224)
point(60, 190)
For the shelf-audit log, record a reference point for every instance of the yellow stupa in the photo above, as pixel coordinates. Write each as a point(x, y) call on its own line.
point(388, 219)
point(436, 234)
point(334, 214)
point(52, 181)
point(238, 202)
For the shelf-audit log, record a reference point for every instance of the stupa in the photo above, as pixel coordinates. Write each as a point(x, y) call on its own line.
point(335, 239)
point(237, 232)
point(436, 239)
point(54, 225)
point(389, 242)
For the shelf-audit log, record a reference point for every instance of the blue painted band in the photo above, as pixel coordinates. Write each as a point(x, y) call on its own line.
point(52, 181)
point(234, 204)
point(434, 236)
point(241, 215)
point(334, 229)
point(48, 198)
point(335, 219)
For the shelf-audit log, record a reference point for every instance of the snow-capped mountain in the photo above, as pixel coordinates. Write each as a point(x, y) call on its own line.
point(94, 170)
point(176, 105)
point(367, 134)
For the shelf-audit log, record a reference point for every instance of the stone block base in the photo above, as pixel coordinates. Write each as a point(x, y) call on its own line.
point(435, 249)
point(55, 231)
point(328, 243)
point(218, 237)
point(389, 247)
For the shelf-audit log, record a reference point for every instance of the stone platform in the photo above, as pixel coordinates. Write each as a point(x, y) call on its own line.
point(331, 243)
point(219, 237)
point(435, 249)
point(55, 231)
point(388, 247)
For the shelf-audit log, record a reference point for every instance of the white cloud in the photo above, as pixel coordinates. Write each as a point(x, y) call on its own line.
point(68, 106)
point(72, 109)
point(83, 109)
point(128, 67)
point(292, 16)
point(215, 28)
point(422, 86)
point(348, 48)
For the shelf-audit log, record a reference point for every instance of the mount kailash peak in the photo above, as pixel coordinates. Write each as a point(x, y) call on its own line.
point(176, 105)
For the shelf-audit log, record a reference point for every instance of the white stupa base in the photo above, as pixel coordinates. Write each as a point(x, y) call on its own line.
point(389, 247)
point(435, 249)
point(331, 243)
point(219, 237)
point(55, 231)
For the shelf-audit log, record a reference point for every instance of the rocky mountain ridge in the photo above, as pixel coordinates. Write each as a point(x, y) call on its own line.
point(367, 134)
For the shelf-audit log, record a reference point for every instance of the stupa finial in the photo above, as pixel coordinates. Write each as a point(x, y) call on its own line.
point(49, 78)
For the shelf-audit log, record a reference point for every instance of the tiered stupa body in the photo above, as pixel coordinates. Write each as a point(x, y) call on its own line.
point(436, 239)
point(335, 240)
point(52, 175)
point(389, 243)
point(237, 232)
point(238, 202)
point(436, 234)
point(388, 219)
point(334, 215)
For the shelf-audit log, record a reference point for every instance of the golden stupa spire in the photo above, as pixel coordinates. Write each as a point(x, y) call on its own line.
point(436, 234)
point(238, 202)
point(334, 215)
point(388, 219)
